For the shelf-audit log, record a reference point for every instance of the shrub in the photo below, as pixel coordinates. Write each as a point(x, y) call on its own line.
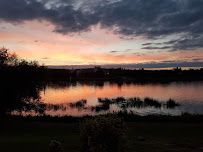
point(103, 134)
point(55, 146)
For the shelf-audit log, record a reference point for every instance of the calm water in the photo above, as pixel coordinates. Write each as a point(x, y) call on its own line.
point(92, 98)
point(66, 96)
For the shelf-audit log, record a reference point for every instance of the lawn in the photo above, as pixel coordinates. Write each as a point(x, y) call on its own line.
point(32, 136)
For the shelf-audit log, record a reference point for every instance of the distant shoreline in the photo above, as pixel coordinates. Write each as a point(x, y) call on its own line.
point(131, 67)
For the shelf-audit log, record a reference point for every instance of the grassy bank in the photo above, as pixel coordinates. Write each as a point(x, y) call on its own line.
point(126, 116)
point(32, 136)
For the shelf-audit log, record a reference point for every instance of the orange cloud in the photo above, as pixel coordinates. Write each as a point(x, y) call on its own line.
point(35, 40)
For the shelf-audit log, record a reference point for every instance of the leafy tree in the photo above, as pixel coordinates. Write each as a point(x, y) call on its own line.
point(7, 58)
point(11, 59)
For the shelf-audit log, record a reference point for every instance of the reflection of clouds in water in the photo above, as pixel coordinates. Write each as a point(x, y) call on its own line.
point(59, 95)
point(186, 107)
point(192, 107)
point(110, 105)
point(179, 91)
point(135, 105)
point(152, 110)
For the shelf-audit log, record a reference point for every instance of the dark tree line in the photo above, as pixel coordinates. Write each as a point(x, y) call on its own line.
point(12, 67)
point(8, 59)
point(18, 91)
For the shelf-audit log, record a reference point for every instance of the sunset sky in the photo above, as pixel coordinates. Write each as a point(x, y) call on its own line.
point(100, 32)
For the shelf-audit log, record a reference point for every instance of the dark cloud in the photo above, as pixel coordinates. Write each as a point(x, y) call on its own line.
point(190, 43)
point(169, 61)
point(45, 58)
point(127, 50)
point(155, 48)
point(197, 60)
point(186, 42)
point(147, 44)
point(139, 54)
point(153, 19)
point(113, 51)
point(152, 43)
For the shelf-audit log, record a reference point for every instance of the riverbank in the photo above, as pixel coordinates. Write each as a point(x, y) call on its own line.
point(32, 136)
point(126, 116)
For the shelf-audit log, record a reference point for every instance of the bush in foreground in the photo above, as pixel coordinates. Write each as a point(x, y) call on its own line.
point(55, 146)
point(103, 134)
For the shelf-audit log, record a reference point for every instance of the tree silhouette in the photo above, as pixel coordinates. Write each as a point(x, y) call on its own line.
point(7, 58)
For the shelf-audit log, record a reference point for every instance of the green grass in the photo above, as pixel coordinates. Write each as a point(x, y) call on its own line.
point(35, 136)
point(166, 137)
point(28, 136)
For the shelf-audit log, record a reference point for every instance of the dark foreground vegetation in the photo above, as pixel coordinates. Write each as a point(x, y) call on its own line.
point(103, 134)
point(116, 132)
point(124, 115)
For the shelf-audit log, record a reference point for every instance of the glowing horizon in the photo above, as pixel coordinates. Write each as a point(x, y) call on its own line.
point(100, 43)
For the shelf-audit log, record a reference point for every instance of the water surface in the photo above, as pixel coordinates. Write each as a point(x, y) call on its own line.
point(188, 94)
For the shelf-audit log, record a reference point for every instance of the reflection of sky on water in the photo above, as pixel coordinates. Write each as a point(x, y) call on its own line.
point(188, 94)
point(189, 107)
point(179, 91)
point(186, 107)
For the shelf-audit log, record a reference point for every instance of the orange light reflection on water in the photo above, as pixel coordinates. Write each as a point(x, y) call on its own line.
point(177, 91)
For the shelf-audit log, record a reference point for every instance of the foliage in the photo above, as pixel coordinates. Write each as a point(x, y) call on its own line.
point(7, 58)
point(11, 59)
point(18, 96)
point(11, 65)
point(55, 146)
point(103, 134)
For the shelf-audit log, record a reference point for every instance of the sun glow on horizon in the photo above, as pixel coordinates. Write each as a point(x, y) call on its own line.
point(35, 40)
